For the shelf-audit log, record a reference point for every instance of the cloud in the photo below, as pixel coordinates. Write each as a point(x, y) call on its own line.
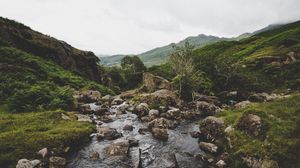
point(135, 26)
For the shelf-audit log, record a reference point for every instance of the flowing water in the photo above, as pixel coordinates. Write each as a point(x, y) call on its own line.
point(153, 151)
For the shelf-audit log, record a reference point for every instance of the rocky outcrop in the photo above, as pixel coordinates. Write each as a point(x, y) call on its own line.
point(206, 109)
point(152, 83)
point(251, 124)
point(81, 62)
point(212, 127)
point(164, 96)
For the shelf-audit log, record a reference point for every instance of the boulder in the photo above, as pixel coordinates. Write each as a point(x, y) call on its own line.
point(209, 147)
point(122, 107)
point(128, 127)
point(142, 109)
point(25, 163)
point(84, 118)
point(242, 104)
point(153, 114)
point(206, 98)
point(159, 133)
point(258, 97)
point(251, 124)
point(162, 97)
point(57, 162)
point(43, 152)
point(65, 117)
point(152, 82)
point(174, 113)
point(221, 164)
point(104, 132)
point(120, 149)
point(161, 123)
point(195, 134)
point(212, 126)
point(143, 130)
point(206, 109)
point(88, 96)
point(117, 101)
point(190, 115)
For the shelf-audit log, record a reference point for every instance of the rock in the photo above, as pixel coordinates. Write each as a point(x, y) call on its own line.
point(206, 98)
point(142, 109)
point(35, 163)
point(212, 126)
point(95, 156)
point(117, 101)
point(153, 114)
point(24, 163)
point(229, 129)
point(57, 162)
point(107, 98)
point(160, 133)
point(135, 156)
point(161, 123)
point(164, 96)
point(43, 152)
point(85, 108)
point(253, 162)
point(174, 113)
point(143, 130)
point(195, 134)
point(120, 149)
point(88, 96)
point(65, 117)
point(269, 164)
point(221, 164)
point(133, 142)
point(122, 107)
point(209, 147)
point(251, 124)
point(84, 118)
point(206, 109)
point(104, 132)
point(190, 115)
point(152, 82)
point(242, 104)
point(258, 97)
point(128, 127)
point(106, 119)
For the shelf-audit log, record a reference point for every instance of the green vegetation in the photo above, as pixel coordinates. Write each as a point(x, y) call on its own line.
point(129, 75)
point(281, 120)
point(22, 135)
point(247, 65)
point(30, 83)
point(187, 79)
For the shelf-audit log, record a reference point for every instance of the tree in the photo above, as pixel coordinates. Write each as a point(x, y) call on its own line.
point(188, 79)
point(133, 64)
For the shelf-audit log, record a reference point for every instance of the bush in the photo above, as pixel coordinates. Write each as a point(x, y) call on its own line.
point(44, 96)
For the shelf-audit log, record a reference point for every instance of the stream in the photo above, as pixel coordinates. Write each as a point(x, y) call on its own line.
point(154, 153)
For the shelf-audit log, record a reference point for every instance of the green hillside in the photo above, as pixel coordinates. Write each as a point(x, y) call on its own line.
point(265, 61)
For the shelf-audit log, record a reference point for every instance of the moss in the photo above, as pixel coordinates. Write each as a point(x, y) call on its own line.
point(22, 135)
point(281, 119)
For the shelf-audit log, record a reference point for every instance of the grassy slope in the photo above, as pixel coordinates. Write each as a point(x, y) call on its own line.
point(22, 135)
point(281, 120)
point(20, 70)
point(247, 52)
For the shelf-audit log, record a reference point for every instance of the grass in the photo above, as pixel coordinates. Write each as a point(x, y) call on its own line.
point(23, 134)
point(281, 120)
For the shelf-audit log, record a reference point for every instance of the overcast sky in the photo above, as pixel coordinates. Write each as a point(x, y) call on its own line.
point(135, 26)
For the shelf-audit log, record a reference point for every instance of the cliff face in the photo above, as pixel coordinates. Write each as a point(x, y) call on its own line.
point(84, 63)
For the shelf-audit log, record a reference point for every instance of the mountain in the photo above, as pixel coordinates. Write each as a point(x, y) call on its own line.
point(160, 54)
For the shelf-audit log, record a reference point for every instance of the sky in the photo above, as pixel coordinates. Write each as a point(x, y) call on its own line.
point(135, 26)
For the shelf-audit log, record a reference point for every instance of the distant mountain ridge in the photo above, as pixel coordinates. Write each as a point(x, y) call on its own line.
point(159, 55)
